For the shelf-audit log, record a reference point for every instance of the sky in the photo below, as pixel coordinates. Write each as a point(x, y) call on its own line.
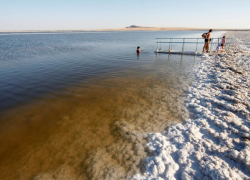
point(111, 14)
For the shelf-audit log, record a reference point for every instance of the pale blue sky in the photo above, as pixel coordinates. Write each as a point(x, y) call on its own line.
point(103, 14)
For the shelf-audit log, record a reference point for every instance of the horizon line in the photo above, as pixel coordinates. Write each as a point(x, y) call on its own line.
point(137, 28)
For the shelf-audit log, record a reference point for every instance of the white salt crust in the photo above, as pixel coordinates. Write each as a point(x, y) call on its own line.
point(216, 143)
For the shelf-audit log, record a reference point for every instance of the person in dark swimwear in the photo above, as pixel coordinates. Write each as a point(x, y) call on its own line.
point(207, 41)
point(138, 49)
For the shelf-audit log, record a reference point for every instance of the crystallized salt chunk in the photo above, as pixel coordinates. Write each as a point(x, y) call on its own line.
point(171, 169)
point(207, 144)
point(154, 170)
point(159, 178)
point(150, 161)
point(244, 128)
point(161, 167)
point(198, 155)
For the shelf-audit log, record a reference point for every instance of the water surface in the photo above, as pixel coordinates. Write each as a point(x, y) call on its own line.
point(78, 105)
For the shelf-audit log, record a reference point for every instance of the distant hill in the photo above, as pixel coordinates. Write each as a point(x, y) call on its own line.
point(134, 26)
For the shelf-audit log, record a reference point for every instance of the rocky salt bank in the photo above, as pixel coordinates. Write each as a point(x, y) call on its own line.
point(215, 144)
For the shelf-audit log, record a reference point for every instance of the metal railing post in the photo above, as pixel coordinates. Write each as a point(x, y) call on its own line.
point(171, 44)
point(183, 45)
point(160, 44)
point(211, 45)
point(226, 48)
point(196, 45)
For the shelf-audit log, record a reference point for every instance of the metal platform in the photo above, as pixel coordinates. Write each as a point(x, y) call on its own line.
point(201, 53)
point(196, 43)
point(179, 52)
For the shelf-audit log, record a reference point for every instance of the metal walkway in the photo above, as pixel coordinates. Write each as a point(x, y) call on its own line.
point(195, 42)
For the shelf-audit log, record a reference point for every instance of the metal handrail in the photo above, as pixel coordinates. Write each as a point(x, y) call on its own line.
point(228, 41)
point(182, 42)
point(192, 38)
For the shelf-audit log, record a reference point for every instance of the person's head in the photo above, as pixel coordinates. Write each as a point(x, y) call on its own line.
point(210, 30)
point(138, 47)
point(224, 36)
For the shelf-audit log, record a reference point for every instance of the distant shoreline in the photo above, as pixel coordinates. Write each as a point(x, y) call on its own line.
point(130, 29)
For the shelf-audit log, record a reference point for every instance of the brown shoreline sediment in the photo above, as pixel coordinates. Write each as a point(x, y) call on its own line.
point(91, 131)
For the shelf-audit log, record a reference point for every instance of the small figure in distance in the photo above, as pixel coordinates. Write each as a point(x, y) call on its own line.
point(223, 42)
point(207, 41)
point(138, 49)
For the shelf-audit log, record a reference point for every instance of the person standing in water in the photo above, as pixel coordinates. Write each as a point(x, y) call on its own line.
point(207, 41)
point(138, 49)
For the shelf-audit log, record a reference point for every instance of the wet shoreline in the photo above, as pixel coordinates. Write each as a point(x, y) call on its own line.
point(216, 143)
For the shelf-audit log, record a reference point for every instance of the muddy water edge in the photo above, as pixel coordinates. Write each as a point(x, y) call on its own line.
point(97, 131)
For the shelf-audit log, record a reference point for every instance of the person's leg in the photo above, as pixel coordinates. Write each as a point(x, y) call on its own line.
point(206, 47)
point(222, 46)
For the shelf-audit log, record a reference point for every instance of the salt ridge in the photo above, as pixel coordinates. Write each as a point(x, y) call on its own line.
point(215, 144)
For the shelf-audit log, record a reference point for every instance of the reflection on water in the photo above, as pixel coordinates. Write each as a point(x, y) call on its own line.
point(85, 116)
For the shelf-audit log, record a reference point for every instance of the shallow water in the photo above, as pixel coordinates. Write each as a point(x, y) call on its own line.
point(78, 105)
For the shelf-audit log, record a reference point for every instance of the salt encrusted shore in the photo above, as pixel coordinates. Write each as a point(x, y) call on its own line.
point(215, 144)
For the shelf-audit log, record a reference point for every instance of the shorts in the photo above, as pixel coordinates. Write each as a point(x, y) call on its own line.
point(207, 41)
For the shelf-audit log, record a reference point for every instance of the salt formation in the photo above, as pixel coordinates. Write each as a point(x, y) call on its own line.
point(215, 144)
point(126, 157)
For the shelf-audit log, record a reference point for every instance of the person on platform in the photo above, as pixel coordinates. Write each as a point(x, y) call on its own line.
point(207, 41)
point(223, 42)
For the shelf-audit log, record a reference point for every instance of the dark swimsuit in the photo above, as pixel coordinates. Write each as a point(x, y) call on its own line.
point(207, 40)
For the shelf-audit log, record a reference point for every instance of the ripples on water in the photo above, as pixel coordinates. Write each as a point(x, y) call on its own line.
point(79, 105)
